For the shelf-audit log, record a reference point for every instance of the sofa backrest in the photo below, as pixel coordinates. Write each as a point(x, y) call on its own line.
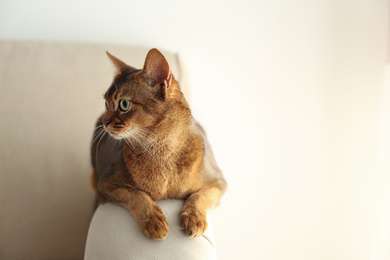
point(51, 94)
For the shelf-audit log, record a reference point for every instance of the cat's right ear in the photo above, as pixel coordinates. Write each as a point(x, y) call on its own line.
point(120, 65)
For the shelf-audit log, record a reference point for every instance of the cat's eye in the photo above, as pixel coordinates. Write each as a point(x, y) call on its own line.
point(106, 103)
point(124, 105)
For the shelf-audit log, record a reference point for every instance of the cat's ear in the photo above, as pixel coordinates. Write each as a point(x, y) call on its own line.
point(156, 66)
point(120, 65)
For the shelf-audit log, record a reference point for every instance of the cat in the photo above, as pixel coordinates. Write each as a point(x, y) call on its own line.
point(147, 147)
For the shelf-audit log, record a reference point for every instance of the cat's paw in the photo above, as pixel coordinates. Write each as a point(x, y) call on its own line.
point(193, 221)
point(155, 225)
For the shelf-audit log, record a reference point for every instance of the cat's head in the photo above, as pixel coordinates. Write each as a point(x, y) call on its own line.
point(138, 101)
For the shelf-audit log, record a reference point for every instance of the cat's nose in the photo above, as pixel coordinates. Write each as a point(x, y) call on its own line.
point(106, 122)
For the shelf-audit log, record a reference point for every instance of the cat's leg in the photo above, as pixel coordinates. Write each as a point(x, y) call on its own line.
point(193, 215)
point(145, 210)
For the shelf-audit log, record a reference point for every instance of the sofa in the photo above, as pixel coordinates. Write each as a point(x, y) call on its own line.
point(51, 95)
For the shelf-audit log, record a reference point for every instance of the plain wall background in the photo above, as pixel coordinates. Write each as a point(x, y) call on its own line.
point(294, 97)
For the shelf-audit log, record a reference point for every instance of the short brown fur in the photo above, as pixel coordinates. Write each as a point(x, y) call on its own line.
point(161, 151)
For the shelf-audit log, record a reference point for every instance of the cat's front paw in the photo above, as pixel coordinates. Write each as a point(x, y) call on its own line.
point(155, 225)
point(193, 221)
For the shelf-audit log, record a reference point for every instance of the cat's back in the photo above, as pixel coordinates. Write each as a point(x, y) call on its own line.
point(211, 170)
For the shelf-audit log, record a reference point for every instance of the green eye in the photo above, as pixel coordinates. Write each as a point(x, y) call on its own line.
point(124, 105)
point(106, 105)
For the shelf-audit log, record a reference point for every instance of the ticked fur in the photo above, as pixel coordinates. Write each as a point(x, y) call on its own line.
point(154, 150)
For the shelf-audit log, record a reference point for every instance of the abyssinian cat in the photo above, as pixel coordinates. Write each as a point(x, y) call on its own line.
point(147, 147)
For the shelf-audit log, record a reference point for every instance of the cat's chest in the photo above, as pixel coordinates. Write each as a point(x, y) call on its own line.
point(161, 180)
point(156, 183)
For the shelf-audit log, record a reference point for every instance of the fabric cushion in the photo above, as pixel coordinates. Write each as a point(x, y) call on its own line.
point(115, 234)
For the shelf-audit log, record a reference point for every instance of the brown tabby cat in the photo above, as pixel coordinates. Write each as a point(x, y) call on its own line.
point(159, 151)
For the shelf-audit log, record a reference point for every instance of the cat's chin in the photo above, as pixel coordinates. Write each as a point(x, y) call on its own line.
point(116, 135)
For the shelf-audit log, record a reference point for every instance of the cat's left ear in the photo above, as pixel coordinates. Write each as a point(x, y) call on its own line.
point(122, 67)
point(156, 66)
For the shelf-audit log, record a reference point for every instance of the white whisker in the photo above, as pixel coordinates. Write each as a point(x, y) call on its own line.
point(151, 143)
point(96, 136)
point(144, 146)
point(154, 140)
point(145, 139)
point(97, 147)
point(128, 141)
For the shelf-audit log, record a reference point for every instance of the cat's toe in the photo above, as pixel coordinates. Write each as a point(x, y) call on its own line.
point(155, 227)
point(194, 222)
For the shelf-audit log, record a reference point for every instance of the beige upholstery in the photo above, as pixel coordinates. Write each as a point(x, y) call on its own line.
point(115, 234)
point(50, 97)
